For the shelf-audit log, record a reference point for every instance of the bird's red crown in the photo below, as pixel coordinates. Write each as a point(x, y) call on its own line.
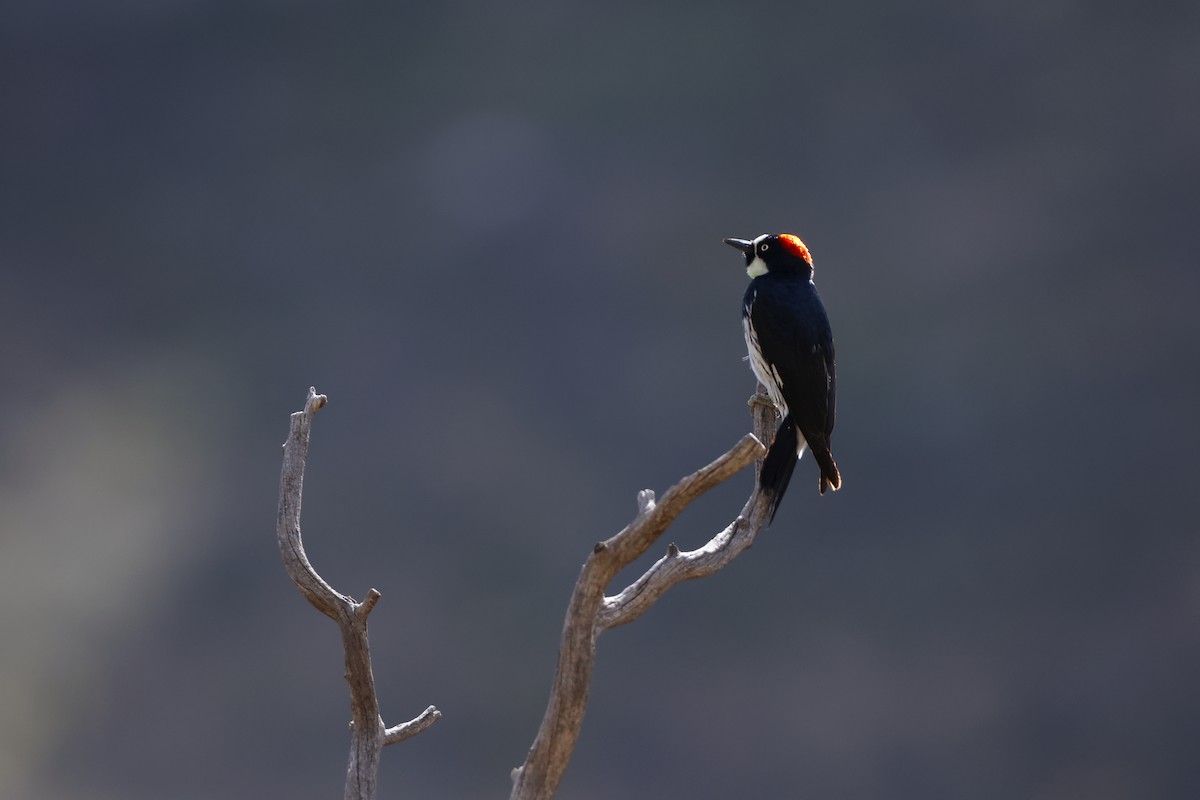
point(794, 246)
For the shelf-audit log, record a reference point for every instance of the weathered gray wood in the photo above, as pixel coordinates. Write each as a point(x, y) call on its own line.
point(589, 611)
point(368, 735)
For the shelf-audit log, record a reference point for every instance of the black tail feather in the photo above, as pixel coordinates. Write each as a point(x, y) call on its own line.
point(779, 464)
point(830, 477)
point(781, 461)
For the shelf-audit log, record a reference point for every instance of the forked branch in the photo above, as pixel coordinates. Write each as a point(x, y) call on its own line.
point(368, 734)
point(589, 611)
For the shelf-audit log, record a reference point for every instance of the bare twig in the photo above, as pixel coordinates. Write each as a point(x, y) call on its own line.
point(407, 730)
point(368, 735)
point(589, 612)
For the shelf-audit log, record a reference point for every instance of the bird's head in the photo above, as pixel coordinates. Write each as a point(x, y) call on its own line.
point(781, 252)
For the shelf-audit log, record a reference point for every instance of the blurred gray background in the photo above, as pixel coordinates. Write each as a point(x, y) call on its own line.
point(491, 233)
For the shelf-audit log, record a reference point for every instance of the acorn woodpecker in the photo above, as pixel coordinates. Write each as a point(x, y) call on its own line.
point(791, 353)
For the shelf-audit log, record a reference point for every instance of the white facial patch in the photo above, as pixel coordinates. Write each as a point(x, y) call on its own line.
point(758, 266)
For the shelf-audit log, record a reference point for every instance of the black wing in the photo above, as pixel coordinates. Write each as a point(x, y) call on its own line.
point(794, 334)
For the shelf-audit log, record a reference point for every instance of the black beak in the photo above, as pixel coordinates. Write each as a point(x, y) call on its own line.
point(745, 245)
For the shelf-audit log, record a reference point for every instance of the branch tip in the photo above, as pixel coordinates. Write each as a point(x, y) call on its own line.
point(672, 550)
point(760, 398)
point(645, 500)
point(364, 609)
point(407, 730)
point(600, 547)
point(751, 441)
point(315, 401)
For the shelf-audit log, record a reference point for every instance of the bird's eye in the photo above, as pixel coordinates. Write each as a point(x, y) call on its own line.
point(762, 248)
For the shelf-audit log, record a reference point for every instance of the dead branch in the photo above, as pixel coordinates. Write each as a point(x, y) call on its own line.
point(589, 611)
point(368, 734)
